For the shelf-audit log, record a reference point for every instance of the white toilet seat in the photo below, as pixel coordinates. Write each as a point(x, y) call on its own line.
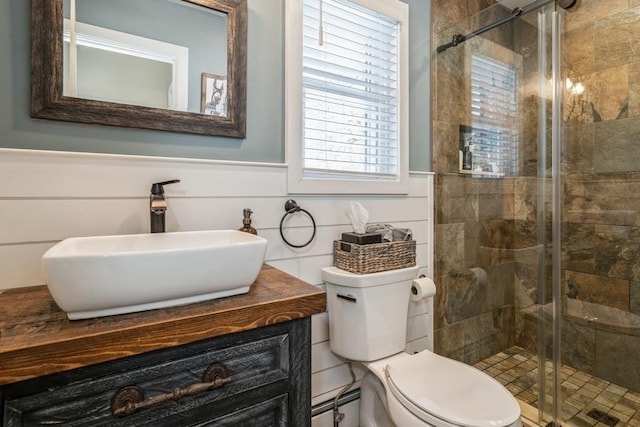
point(442, 391)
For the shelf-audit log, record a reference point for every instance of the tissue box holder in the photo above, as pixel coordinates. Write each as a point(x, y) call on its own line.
point(373, 258)
point(362, 238)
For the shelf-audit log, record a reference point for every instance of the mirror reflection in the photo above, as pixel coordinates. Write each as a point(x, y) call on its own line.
point(120, 51)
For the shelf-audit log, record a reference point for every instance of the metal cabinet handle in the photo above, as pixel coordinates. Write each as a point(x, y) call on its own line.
point(129, 399)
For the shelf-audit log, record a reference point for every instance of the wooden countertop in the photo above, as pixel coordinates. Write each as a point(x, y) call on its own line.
point(36, 338)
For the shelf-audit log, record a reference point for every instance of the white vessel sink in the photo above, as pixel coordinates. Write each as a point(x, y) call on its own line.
point(101, 276)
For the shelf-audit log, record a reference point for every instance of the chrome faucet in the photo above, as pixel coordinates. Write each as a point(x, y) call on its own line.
point(158, 205)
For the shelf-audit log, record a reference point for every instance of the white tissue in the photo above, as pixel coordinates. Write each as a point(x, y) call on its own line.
point(359, 217)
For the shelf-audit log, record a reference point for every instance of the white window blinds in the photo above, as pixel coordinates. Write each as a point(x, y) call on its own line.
point(494, 114)
point(350, 91)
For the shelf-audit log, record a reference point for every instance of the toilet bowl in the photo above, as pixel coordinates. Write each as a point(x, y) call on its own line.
point(428, 389)
point(367, 323)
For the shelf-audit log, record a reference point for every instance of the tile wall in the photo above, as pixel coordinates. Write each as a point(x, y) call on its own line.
point(601, 218)
point(475, 217)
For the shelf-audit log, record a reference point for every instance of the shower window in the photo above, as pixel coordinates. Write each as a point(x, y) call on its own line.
point(492, 138)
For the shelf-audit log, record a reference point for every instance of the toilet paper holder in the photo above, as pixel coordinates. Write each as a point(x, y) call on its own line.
point(414, 290)
point(422, 287)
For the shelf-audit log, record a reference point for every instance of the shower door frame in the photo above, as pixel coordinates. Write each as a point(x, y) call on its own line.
point(550, 87)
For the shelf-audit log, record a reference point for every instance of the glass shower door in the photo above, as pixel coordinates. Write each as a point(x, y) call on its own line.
point(537, 160)
point(494, 192)
point(600, 176)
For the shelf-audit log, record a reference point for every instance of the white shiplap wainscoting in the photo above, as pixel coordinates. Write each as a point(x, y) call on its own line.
point(49, 196)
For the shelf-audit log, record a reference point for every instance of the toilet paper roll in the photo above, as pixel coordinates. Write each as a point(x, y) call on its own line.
point(422, 288)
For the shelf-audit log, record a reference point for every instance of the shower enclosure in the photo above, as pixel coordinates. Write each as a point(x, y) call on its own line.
point(536, 149)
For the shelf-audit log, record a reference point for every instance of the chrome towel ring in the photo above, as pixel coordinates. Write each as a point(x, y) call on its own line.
point(291, 207)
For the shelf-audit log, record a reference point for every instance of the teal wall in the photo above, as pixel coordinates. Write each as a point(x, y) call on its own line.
point(265, 97)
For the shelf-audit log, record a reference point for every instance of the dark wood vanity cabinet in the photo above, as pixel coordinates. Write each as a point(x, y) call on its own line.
point(260, 377)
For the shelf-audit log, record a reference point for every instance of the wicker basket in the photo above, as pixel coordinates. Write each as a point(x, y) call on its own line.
point(373, 258)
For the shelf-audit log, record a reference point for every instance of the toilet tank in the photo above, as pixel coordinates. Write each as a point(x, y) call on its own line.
point(368, 312)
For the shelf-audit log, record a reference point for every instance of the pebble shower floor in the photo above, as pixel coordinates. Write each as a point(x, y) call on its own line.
point(586, 400)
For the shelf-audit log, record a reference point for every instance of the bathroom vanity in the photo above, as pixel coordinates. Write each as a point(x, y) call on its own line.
point(243, 360)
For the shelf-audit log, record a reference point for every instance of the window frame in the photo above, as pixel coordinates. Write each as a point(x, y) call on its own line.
point(297, 181)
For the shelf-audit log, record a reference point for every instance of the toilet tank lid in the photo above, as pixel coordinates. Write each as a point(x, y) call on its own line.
point(337, 276)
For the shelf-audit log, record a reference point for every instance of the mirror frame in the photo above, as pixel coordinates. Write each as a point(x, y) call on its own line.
point(48, 101)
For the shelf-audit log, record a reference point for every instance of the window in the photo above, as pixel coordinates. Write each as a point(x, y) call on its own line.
point(347, 96)
point(494, 112)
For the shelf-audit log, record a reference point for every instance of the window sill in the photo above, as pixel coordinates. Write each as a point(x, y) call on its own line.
point(296, 185)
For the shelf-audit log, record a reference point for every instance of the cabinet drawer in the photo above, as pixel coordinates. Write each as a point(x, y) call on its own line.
point(270, 413)
point(250, 365)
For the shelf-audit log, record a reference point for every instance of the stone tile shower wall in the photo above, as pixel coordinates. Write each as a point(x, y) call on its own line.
point(601, 177)
point(487, 246)
point(601, 164)
point(475, 249)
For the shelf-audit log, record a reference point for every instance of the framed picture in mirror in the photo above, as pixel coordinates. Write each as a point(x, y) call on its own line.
point(214, 95)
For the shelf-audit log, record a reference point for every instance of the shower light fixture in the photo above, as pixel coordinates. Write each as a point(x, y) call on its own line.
point(574, 88)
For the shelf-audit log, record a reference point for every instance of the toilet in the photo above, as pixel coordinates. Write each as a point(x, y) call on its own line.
point(367, 324)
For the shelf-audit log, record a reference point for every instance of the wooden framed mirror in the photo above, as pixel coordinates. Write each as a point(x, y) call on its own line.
point(203, 94)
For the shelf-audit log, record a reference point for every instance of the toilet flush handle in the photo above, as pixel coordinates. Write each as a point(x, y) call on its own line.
point(349, 298)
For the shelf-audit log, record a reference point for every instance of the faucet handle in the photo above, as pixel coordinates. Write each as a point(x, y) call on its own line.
point(157, 188)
